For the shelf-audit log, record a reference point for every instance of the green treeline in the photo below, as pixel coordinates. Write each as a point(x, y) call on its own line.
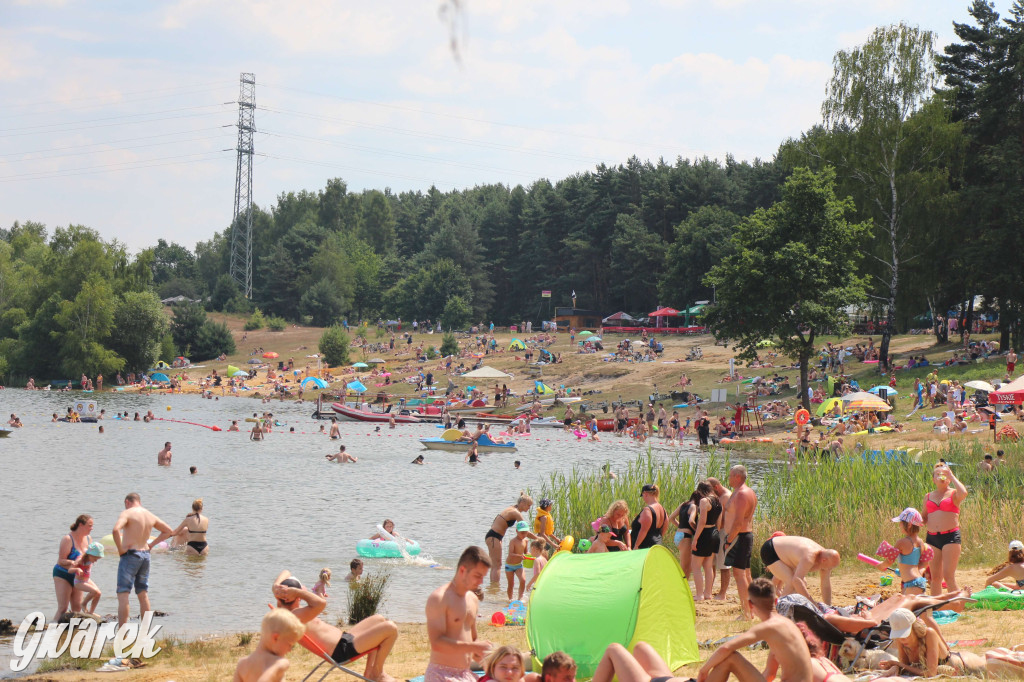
point(930, 147)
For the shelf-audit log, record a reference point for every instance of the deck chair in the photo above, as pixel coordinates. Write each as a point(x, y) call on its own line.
point(310, 645)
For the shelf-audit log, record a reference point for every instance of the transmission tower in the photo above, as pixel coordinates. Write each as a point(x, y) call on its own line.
point(241, 221)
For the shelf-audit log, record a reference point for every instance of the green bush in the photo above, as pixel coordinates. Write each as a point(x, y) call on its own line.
point(334, 346)
point(276, 324)
point(365, 596)
point(255, 321)
point(214, 339)
point(449, 344)
point(432, 353)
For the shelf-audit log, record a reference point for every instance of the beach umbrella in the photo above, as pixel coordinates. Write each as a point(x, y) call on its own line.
point(487, 372)
point(827, 406)
point(664, 312)
point(980, 385)
point(376, 361)
point(586, 333)
point(270, 354)
point(876, 389)
point(239, 373)
point(862, 400)
point(254, 361)
point(356, 386)
point(596, 338)
point(361, 365)
point(316, 381)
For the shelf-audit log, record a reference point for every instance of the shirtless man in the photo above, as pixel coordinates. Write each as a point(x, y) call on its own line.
point(341, 457)
point(335, 431)
point(451, 621)
point(738, 541)
point(234, 425)
point(374, 636)
point(724, 495)
point(131, 537)
point(163, 458)
point(790, 558)
point(786, 644)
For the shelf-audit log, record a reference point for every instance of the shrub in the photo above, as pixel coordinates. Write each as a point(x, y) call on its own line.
point(432, 353)
point(276, 324)
point(334, 345)
point(365, 596)
point(214, 338)
point(255, 321)
point(449, 344)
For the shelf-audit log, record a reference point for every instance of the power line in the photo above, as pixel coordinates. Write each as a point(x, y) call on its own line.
point(110, 125)
point(435, 136)
point(116, 100)
point(112, 167)
point(386, 152)
point(129, 139)
point(471, 119)
point(112, 118)
point(106, 151)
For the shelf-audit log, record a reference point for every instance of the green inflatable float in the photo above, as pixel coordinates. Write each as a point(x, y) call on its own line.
point(584, 602)
point(992, 599)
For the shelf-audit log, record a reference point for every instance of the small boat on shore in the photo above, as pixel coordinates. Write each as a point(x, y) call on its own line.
point(449, 441)
point(353, 414)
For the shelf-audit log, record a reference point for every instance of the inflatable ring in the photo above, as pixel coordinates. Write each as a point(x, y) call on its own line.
point(566, 544)
point(802, 416)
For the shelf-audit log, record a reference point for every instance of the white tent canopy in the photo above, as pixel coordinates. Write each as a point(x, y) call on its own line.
point(487, 372)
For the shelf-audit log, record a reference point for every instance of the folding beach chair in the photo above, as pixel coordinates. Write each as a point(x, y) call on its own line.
point(310, 645)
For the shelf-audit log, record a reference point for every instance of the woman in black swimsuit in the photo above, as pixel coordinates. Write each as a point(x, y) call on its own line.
point(685, 518)
point(195, 526)
point(502, 522)
point(706, 541)
point(648, 527)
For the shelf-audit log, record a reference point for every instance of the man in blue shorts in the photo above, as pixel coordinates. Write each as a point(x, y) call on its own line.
point(131, 537)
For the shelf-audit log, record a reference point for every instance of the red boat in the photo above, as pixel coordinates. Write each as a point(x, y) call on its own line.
point(353, 414)
point(609, 424)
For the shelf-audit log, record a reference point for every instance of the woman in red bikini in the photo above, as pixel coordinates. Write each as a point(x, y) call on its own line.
point(942, 519)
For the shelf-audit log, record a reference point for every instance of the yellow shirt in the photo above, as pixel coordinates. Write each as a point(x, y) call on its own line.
point(543, 524)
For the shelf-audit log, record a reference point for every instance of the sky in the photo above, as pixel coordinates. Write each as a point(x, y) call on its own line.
point(121, 115)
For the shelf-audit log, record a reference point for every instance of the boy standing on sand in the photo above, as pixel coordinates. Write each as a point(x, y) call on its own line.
point(451, 621)
point(785, 642)
point(514, 560)
point(279, 633)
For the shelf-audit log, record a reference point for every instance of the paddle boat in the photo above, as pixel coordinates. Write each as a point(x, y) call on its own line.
point(450, 442)
point(471, 408)
point(6, 433)
point(547, 402)
point(365, 414)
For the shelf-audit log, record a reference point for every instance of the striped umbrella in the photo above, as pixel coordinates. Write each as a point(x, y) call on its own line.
point(862, 400)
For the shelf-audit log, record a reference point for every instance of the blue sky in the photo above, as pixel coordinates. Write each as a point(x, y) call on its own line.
point(119, 115)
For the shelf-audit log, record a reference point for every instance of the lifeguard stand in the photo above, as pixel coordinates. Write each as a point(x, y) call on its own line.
point(743, 421)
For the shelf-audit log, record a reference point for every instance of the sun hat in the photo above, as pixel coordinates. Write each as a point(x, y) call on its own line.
point(1016, 544)
point(95, 549)
point(522, 526)
point(900, 622)
point(911, 516)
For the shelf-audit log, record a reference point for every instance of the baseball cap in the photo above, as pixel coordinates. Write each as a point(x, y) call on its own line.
point(649, 488)
point(911, 516)
point(1016, 544)
point(604, 529)
point(521, 526)
point(95, 549)
point(900, 622)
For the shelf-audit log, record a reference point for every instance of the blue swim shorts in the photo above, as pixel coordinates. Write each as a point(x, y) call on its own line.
point(133, 569)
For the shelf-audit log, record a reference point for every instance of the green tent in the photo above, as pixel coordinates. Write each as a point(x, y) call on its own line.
point(517, 345)
point(584, 602)
point(827, 406)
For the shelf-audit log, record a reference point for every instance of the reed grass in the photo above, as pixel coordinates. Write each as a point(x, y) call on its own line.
point(366, 595)
point(847, 504)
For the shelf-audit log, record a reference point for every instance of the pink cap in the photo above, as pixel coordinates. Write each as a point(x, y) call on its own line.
point(911, 516)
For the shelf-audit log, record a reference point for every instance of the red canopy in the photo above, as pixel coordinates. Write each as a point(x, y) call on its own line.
point(664, 312)
point(1009, 394)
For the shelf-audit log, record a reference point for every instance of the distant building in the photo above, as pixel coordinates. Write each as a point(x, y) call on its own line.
point(577, 318)
point(174, 300)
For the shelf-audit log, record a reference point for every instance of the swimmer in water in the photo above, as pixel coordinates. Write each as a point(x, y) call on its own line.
point(335, 431)
point(163, 458)
point(322, 430)
point(234, 425)
point(418, 460)
point(341, 456)
point(473, 456)
point(256, 433)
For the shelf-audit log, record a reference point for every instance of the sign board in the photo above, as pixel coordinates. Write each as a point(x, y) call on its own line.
point(719, 395)
point(545, 293)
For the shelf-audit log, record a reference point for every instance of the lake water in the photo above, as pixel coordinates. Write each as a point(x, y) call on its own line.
point(272, 505)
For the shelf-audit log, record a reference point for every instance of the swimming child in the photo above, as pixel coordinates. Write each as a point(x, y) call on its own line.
point(325, 581)
point(83, 576)
point(1013, 569)
point(911, 553)
point(280, 630)
point(322, 430)
point(355, 570)
point(540, 557)
point(514, 560)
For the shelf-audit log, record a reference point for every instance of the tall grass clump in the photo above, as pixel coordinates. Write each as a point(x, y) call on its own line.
point(365, 596)
point(848, 504)
point(580, 496)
